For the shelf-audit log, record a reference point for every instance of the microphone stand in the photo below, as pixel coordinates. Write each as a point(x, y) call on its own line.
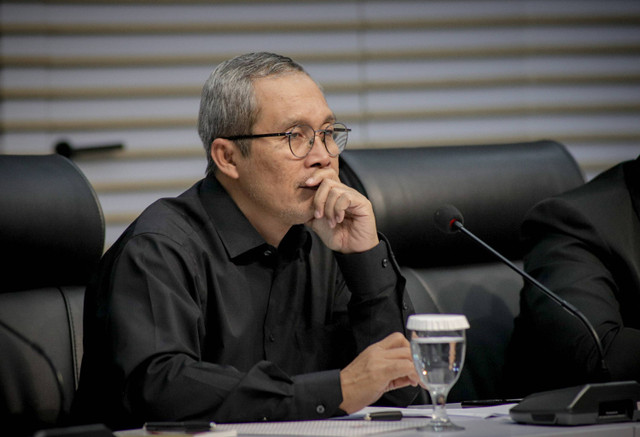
point(532, 281)
point(605, 402)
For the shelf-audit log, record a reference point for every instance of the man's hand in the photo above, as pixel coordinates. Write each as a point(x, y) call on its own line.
point(383, 366)
point(342, 217)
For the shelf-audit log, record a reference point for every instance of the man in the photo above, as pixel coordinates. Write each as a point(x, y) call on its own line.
point(585, 246)
point(261, 293)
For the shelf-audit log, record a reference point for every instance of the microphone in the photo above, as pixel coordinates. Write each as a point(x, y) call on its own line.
point(448, 219)
point(581, 405)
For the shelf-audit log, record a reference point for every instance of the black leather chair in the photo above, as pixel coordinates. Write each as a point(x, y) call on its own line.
point(493, 186)
point(51, 238)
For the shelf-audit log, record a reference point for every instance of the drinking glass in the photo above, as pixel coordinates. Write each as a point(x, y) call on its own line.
point(438, 349)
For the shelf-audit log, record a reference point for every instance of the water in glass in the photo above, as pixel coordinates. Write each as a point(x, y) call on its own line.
point(438, 355)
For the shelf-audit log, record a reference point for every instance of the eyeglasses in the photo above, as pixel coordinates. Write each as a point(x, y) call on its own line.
point(301, 138)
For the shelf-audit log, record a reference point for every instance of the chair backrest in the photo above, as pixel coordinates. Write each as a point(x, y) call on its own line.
point(493, 186)
point(51, 239)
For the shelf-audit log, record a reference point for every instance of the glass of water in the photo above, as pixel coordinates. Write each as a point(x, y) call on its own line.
point(438, 349)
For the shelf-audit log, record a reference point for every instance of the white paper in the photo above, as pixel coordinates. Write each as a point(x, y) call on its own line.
point(355, 425)
point(352, 425)
point(330, 428)
point(482, 412)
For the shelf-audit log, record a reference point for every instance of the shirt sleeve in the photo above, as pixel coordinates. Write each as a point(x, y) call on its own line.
point(157, 339)
point(379, 303)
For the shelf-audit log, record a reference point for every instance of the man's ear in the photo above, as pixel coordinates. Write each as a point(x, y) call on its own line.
point(224, 153)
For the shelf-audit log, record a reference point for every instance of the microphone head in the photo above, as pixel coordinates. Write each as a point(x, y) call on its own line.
point(445, 217)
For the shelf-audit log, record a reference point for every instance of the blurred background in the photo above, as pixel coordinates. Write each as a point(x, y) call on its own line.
point(125, 76)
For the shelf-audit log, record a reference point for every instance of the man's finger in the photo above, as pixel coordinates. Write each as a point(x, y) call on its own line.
point(320, 199)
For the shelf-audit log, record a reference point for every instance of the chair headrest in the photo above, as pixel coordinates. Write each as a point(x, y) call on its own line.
point(51, 223)
point(493, 186)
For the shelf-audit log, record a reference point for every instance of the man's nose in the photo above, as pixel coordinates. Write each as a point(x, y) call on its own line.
point(318, 155)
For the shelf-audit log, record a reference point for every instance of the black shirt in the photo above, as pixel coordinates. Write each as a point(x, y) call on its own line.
point(584, 245)
point(192, 315)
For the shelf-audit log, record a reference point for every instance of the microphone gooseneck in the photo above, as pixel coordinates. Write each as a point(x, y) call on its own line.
point(448, 219)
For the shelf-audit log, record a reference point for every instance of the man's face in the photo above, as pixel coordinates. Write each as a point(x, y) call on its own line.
point(272, 179)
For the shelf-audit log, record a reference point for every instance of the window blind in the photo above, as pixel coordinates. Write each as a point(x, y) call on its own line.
point(400, 73)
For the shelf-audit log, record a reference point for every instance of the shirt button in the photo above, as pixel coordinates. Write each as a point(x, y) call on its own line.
point(272, 338)
point(320, 409)
point(267, 253)
point(385, 263)
point(405, 306)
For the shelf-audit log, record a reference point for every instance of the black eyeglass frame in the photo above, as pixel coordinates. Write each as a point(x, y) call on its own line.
point(288, 135)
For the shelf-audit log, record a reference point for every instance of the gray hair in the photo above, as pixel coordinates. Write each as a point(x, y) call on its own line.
point(228, 106)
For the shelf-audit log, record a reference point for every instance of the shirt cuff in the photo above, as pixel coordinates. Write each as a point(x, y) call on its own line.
point(320, 392)
point(370, 272)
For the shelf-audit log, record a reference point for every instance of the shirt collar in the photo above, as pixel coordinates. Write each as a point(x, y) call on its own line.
point(235, 231)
